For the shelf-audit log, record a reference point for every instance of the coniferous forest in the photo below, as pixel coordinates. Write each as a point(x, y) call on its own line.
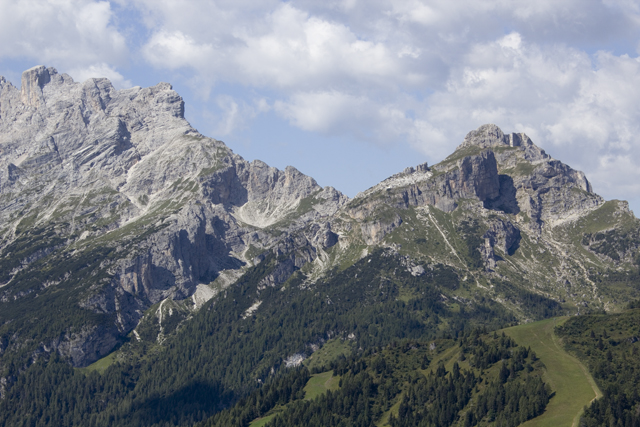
point(501, 379)
point(220, 355)
point(405, 361)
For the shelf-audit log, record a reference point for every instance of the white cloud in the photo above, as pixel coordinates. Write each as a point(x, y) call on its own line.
point(286, 49)
point(617, 176)
point(324, 112)
point(100, 70)
point(335, 113)
point(235, 114)
point(417, 11)
point(175, 49)
point(231, 114)
point(302, 51)
point(564, 21)
point(65, 34)
point(604, 114)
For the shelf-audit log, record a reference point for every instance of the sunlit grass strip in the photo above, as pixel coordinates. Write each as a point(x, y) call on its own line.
point(569, 379)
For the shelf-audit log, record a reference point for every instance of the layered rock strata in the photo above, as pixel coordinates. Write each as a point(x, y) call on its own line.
point(121, 172)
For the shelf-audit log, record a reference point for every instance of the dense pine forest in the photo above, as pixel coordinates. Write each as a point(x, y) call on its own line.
point(474, 380)
point(409, 355)
point(222, 355)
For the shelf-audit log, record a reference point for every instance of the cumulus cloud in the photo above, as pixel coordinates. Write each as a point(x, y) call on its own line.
point(303, 51)
point(380, 50)
point(568, 21)
point(618, 176)
point(337, 113)
point(176, 50)
point(507, 81)
point(81, 74)
point(64, 33)
point(286, 49)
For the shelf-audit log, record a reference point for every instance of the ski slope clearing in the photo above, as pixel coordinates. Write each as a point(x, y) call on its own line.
point(570, 380)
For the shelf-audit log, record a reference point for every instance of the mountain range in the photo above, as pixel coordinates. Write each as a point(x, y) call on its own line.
point(125, 233)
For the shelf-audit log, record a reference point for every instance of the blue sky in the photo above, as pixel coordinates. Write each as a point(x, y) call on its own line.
point(352, 91)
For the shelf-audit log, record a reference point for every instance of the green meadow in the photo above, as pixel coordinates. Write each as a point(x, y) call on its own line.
point(320, 383)
point(569, 379)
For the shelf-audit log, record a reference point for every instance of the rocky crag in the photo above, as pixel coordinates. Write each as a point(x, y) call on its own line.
point(152, 208)
point(115, 215)
point(502, 211)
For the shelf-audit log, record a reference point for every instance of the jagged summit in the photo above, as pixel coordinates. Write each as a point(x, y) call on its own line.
point(490, 135)
point(88, 170)
point(507, 173)
point(33, 80)
point(548, 191)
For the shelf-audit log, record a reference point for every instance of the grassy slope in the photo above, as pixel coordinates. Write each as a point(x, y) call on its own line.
point(569, 379)
point(384, 420)
point(319, 384)
point(100, 365)
point(328, 352)
point(262, 421)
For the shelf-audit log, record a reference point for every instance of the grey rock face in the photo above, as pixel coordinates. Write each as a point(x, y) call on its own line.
point(472, 177)
point(546, 190)
point(323, 236)
point(502, 234)
point(33, 81)
point(491, 136)
point(87, 344)
point(123, 172)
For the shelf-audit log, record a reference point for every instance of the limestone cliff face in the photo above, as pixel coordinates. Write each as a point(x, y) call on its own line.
point(499, 172)
point(546, 190)
point(89, 169)
point(471, 177)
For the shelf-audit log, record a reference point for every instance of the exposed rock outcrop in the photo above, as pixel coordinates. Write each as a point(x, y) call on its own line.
point(472, 177)
point(121, 172)
point(502, 234)
point(546, 190)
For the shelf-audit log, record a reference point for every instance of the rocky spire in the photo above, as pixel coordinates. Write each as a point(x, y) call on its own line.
point(490, 135)
point(33, 80)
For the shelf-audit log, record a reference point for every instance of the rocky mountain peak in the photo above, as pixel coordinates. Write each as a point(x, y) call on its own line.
point(120, 178)
point(33, 80)
point(490, 135)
